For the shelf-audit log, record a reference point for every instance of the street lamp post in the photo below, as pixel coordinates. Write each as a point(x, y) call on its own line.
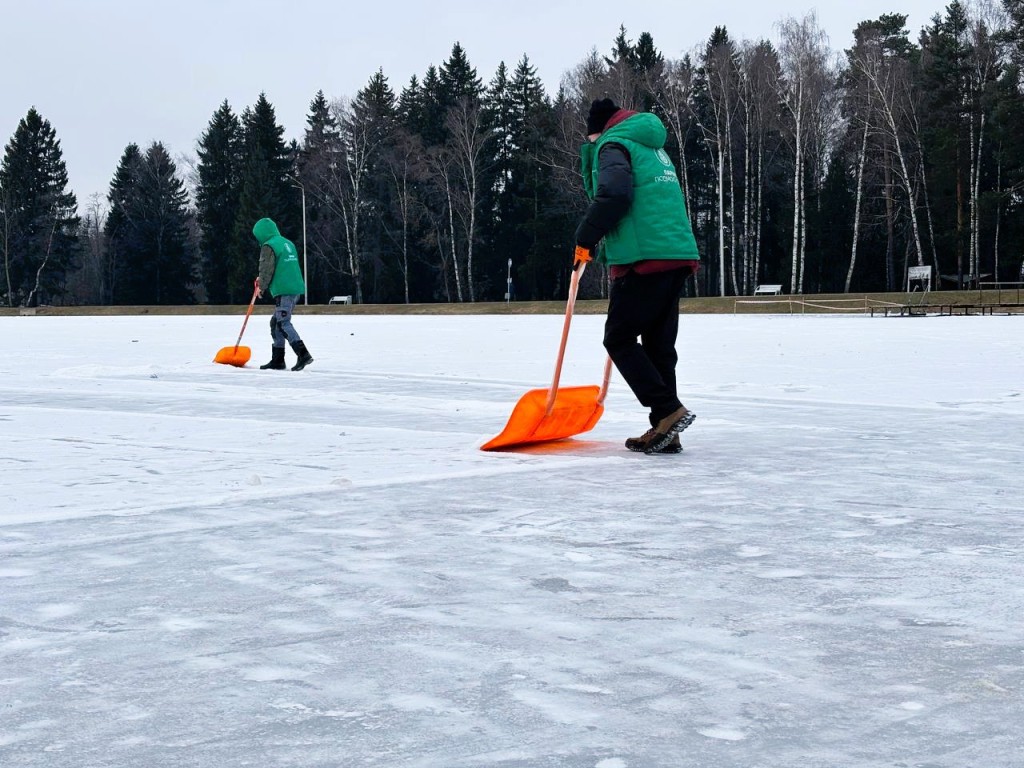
point(305, 266)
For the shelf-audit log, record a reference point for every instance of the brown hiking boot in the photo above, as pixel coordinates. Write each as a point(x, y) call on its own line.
point(668, 428)
point(639, 444)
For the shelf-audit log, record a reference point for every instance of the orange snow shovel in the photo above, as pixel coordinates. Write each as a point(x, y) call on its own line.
point(236, 355)
point(542, 415)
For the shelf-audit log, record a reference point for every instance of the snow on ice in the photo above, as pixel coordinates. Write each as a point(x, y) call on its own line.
point(209, 566)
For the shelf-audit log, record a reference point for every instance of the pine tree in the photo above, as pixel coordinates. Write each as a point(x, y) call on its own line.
point(217, 198)
point(830, 235)
point(458, 79)
point(322, 133)
point(38, 219)
point(529, 226)
point(121, 228)
point(622, 69)
point(165, 230)
point(944, 72)
point(1008, 156)
point(633, 70)
point(366, 132)
point(148, 230)
point(433, 108)
point(650, 65)
point(411, 107)
point(501, 120)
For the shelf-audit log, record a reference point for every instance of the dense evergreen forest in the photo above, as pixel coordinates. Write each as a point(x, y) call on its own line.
point(823, 171)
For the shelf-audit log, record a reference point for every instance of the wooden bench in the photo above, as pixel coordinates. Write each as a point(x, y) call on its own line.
point(340, 300)
point(768, 290)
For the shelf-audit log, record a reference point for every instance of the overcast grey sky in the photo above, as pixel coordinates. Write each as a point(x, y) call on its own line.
point(106, 73)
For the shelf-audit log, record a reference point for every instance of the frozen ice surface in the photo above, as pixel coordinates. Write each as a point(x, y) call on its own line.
point(215, 567)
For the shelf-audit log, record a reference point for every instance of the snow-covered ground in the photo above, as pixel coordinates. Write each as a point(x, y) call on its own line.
point(216, 567)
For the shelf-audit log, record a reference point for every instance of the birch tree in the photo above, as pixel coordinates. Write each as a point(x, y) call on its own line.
point(888, 35)
point(405, 168)
point(805, 85)
point(337, 188)
point(985, 62)
point(891, 83)
point(674, 97)
point(467, 141)
point(341, 184)
point(442, 175)
point(759, 68)
point(724, 93)
point(712, 113)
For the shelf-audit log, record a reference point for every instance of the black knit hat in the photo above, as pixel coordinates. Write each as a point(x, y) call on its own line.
point(601, 112)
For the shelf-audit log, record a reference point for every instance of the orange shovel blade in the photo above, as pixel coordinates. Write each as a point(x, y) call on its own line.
point(237, 356)
point(576, 410)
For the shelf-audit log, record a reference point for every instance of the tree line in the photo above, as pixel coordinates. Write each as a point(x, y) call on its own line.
point(821, 171)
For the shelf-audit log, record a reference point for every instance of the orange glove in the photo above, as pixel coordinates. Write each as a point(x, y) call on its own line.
point(582, 254)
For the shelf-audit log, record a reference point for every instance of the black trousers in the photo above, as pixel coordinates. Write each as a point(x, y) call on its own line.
point(646, 307)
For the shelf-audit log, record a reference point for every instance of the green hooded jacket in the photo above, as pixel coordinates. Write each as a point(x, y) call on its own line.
point(656, 225)
point(287, 277)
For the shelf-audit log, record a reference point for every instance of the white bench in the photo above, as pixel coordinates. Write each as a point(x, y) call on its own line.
point(340, 300)
point(768, 290)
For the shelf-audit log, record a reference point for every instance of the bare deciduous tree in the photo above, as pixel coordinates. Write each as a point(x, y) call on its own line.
point(467, 140)
point(337, 183)
point(723, 93)
point(806, 89)
point(986, 57)
point(405, 166)
point(674, 95)
point(758, 65)
point(891, 84)
point(92, 284)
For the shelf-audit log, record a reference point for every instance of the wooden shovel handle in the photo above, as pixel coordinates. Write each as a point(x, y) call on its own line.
point(252, 302)
point(606, 381)
point(574, 287)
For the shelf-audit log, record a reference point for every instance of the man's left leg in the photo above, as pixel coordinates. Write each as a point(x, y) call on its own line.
point(648, 306)
point(639, 306)
point(658, 339)
point(283, 313)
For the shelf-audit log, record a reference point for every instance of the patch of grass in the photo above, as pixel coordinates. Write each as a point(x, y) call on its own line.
point(805, 304)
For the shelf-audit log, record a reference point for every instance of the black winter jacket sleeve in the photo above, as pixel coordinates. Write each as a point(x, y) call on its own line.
point(613, 198)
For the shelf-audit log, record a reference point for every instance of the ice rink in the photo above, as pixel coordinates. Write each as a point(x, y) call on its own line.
point(214, 567)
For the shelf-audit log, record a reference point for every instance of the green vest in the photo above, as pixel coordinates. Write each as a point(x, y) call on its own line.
point(656, 225)
point(287, 280)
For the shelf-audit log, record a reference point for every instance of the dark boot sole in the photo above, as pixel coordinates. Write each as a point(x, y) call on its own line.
point(659, 441)
point(668, 450)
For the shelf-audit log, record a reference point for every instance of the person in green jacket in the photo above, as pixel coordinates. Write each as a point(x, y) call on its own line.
point(280, 274)
point(637, 224)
